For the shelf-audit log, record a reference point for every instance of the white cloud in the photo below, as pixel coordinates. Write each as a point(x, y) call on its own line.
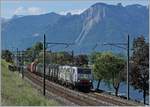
point(36, 34)
point(75, 11)
point(19, 10)
point(34, 10)
point(28, 11)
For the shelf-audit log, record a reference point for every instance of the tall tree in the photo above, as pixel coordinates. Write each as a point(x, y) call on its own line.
point(94, 61)
point(37, 48)
point(57, 58)
point(28, 54)
point(94, 56)
point(81, 60)
point(98, 72)
point(64, 58)
point(140, 66)
point(49, 57)
point(110, 68)
point(33, 52)
point(7, 55)
point(117, 72)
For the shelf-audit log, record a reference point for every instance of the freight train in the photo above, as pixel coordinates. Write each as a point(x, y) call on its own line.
point(70, 76)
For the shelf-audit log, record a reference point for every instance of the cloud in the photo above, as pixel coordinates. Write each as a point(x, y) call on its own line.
point(28, 11)
point(36, 34)
point(19, 10)
point(35, 10)
point(74, 11)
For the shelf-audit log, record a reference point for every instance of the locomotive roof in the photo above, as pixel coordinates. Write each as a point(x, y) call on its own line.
point(75, 67)
point(66, 66)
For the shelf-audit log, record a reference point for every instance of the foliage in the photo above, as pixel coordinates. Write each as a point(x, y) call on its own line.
point(17, 92)
point(117, 72)
point(61, 58)
point(38, 46)
point(64, 58)
point(93, 57)
point(81, 60)
point(140, 65)
point(110, 68)
point(33, 52)
point(47, 57)
point(7, 55)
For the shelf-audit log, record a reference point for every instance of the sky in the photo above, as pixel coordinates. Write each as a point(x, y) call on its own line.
point(10, 8)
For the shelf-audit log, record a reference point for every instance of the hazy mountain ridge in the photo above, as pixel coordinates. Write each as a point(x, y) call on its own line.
point(99, 23)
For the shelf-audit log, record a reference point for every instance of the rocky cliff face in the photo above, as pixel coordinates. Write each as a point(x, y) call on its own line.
point(92, 16)
point(99, 23)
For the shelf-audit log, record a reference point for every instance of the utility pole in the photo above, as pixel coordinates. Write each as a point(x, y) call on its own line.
point(44, 50)
point(22, 64)
point(72, 55)
point(17, 59)
point(44, 42)
point(127, 48)
point(128, 68)
point(20, 61)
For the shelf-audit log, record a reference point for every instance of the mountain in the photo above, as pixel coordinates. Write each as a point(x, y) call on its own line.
point(98, 24)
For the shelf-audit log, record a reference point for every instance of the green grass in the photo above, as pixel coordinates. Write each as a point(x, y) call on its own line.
point(17, 92)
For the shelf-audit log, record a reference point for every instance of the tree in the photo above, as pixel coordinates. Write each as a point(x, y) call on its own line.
point(64, 58)
point(28, 54)
point(49, 57)
point(81, 60)
point(140, 66)
point(95, 57)
point(34, 51)
point(37, 48)
point(56, 58)
point(117, 72)
point(7, 55)
point(110, 68)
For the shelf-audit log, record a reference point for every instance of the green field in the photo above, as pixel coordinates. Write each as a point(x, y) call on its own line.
point(17, 92)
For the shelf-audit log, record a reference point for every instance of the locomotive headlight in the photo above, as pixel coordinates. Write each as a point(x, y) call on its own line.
point(78, 80)
point(90, 80)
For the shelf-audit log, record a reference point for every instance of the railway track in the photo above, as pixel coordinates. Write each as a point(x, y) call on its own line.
point(113, 100)
point(75, 97)
point(79, 98)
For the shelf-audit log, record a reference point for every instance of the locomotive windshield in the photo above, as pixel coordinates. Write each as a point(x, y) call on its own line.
point(84, 74)
point(84, 71)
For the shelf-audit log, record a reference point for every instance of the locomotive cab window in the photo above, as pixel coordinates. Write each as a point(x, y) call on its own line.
point(84, 74)
point(84, 71)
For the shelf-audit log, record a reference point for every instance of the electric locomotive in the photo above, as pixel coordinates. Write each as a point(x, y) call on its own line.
point(76, 77)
